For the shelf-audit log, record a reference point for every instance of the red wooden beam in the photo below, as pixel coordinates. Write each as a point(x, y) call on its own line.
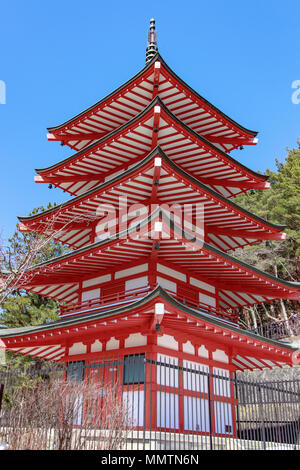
point(155, 180)
point(64, 226)
point(256, 234)
point(230, 140)
point(233, 183)
point(157, 67)
point(76, 137)
point(156, 118)
point(261, 289)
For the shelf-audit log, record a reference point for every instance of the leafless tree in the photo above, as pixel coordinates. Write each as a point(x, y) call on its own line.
point(16, 261)
point(59, 414)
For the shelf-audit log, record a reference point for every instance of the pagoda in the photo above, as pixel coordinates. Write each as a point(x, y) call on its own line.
point(152, 227)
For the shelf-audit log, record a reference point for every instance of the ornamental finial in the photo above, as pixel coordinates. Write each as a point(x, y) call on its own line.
point(152, 41)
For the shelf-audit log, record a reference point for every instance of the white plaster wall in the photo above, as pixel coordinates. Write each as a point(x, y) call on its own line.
point(194, 378)
point(203, 352)
point(130, 271)
point(220, 356)
point(188, 348)
point(135, 339)
point(133, 402)
point(96, 346)
point(202, 285)
point(171, 272)
point(113, 343)
point(77, 348)
point(196, 414)
point(78, 405)
point(167, 341)
point(166, 284)
point(167, 410)
point(207, 299)
point(221, 386)
point(136, 283)
point(96, 280)
point(165, 373)
point(223, 417)
point(90, 294)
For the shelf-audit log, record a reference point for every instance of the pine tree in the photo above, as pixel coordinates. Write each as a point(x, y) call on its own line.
point(280, 204)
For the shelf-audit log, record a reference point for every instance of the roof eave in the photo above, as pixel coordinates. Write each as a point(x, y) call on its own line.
point(154, 102)
point(135, 77)
point(117, 90)
point(218, 252)
point(138, 166)
point(159, 293)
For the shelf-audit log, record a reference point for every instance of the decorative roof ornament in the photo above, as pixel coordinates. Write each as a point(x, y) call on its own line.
point(152, 48)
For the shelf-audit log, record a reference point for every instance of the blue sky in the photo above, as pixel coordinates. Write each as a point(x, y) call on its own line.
point(58, 58)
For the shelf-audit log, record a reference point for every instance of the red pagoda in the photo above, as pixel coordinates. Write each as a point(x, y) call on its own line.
point(152, 226)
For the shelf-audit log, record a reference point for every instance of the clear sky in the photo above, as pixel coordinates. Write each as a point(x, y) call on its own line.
point(58, 58)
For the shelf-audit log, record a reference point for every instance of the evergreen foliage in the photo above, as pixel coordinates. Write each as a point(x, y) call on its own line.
point(281, 205)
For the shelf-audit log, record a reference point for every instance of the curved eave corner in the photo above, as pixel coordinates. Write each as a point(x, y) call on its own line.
point(6, 335)
point(221, 114)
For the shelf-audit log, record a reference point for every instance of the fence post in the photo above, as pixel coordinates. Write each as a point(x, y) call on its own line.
point(1, 394)
point(209, 411)
point(235, 406)
point(261, 416)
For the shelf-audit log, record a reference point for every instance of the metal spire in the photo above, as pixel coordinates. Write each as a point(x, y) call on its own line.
point(152, 48)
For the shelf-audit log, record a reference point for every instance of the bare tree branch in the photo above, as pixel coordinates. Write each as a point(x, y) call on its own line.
point(16, 261)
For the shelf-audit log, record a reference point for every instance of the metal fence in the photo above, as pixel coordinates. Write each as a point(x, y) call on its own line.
point(280, 329)
point(144, 402)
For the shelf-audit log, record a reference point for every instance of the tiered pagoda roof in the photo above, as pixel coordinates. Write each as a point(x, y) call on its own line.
point(238, 283)
point(227, 226)
point(131, 98)
point(49, 341)
point(152, 146)
point(131, 142)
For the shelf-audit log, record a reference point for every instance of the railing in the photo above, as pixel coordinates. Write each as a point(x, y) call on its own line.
point(132, 295)
point(112, 299)
point(279, 329)
point(146, 402)
point(204, 308)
